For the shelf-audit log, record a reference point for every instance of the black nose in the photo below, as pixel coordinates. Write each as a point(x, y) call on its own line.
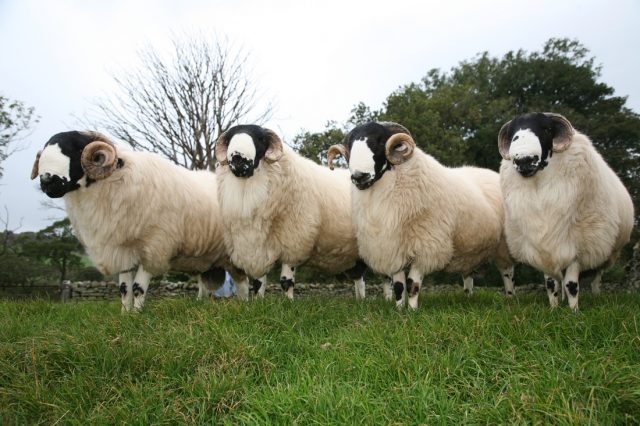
point(359, 177)
point(527, 166)
point(45, 180)
point(240, 166)
point(361, 180)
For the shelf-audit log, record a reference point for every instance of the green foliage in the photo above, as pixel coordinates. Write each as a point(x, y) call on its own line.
point(458, 360)
point(15, 118)
point(55, 245)
point(21, 270)
point(315, 145)
point(455, 116)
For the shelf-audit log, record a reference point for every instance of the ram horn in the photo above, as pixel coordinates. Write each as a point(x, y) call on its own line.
point(503, 142)
point(395, 127)
point(334, 151)
point(563, 132)
point(274, 152)
point(399, 148)
point(34, 169)
point(220, 150)
point(99, 158)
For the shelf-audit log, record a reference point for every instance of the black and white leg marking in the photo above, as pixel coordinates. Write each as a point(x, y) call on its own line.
point(571, 284)
point(126, 290)
point(552, 290)
point(287, 280)
point(140, 286)
point(414, 282)
point(259, 286)
point(398, 288)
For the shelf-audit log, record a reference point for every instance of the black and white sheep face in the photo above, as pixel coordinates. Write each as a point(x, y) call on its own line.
point(244, 147)
point(59, 166)
point(529, 140)
point(367, 160)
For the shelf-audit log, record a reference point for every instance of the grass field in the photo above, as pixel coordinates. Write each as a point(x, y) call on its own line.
point(322, 360)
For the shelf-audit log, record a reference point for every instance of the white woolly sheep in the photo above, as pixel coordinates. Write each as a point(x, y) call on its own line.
point(135, 213)
point(277, 206)
point(567, 211)
point(410, 210)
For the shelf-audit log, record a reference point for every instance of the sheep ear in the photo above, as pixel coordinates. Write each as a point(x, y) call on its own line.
point(221, 149)
point(334, 151)
point(562, 132)
point(399, 148)
point(34, 169)
point(503, 142)
point(274, 152)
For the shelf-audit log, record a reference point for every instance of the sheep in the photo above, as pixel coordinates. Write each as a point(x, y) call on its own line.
point(136, 213)
point(568, 213)
point(277, 206)
point(411, 211)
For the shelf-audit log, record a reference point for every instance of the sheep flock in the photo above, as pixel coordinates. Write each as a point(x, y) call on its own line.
point(555, 205)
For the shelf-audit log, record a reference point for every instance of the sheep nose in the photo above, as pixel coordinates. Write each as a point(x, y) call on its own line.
point(527, 166)
point(361, 180)
point(45, 179)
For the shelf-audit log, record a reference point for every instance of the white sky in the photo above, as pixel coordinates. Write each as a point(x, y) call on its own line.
point(315, 59)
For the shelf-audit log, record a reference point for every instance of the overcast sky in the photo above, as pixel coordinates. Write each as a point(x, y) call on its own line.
point(314, 59)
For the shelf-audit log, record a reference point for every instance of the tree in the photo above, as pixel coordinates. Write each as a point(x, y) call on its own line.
point(178, 105)
point(15, 120)
point(55, 245)
point(455, 116)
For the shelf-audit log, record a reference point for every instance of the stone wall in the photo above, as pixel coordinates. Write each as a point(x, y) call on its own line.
point(633, 269)
point(100, 290)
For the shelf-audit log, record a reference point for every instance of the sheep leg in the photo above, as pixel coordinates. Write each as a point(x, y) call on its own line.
point(259, 286)
point(414, 282)
point(552, 290)
point(360, 288)
point(140, 286)
point(595, 284)
point(507, 280)
point(126, 290)
point(572, 285)
point(242, 289)
point(386, 290)
point(287, 280)
point(467, 284)
point(357, 275)
point(398, 288)
point(202, 289)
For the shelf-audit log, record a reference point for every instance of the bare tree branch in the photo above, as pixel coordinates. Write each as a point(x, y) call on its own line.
point(178, 106)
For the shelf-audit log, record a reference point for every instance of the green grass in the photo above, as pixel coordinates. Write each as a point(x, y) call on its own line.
point(320, 360)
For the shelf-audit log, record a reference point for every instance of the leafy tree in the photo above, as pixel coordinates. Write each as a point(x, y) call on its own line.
point(57, 246)
point(455, 116)
point(15, 119)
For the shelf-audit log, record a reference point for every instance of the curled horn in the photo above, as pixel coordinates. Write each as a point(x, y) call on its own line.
point(395, 127)
point(274, 152)
point(335, 150)
point(503, 142)
point(99, 158)
point(221, 150)
point(399, 148)
point(34, 170)
point(563, 132)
